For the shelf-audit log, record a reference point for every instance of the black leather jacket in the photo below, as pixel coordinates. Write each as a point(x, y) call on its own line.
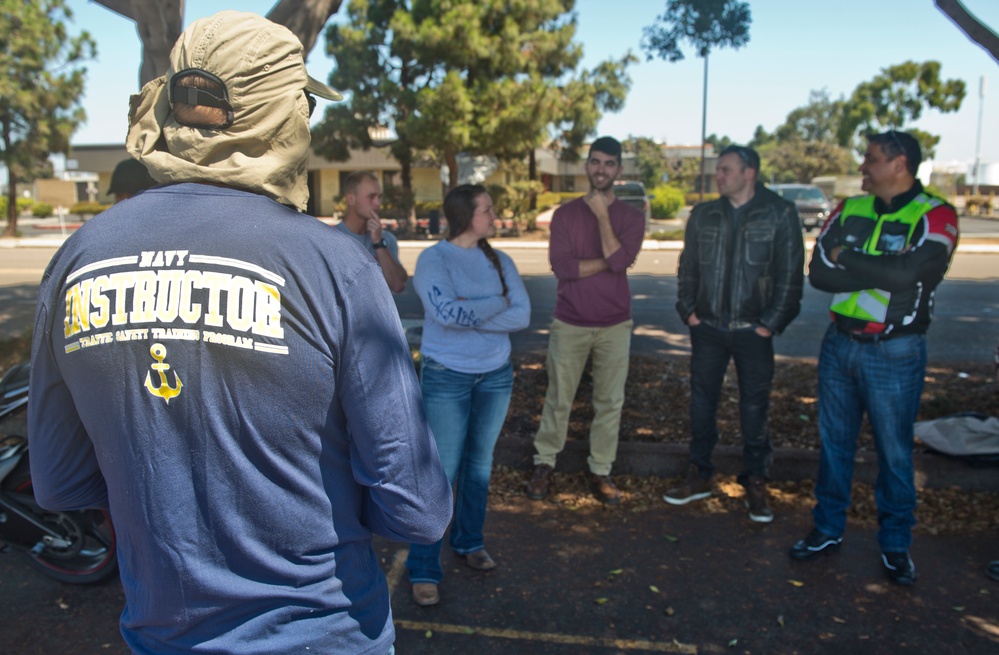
point(738, 277)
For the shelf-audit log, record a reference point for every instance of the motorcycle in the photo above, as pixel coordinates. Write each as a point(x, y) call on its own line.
point(76, 547)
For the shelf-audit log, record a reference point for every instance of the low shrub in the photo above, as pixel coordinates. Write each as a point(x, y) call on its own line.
point(695, 197)
point(666, 235)
point(41, 210)
point(666, 201)
point(84, 208)
point(23, 205)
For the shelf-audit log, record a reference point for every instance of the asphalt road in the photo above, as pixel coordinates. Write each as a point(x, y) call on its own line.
point(965, 329)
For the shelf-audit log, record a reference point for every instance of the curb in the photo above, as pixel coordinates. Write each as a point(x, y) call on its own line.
point(789, 464)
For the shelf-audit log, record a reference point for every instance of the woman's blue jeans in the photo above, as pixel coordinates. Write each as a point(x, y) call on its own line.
point(885, 380)
point(466, 413)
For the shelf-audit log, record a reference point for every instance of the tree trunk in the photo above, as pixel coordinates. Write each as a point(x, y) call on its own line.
point(408, 197)
point(532, 175)
point(160, 22)
point(11, 230)
point(975, 30)
point(451, 158)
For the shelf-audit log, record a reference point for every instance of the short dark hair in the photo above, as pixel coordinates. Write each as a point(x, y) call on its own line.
point(750, 158)
point(607, 145)
point(894, 143)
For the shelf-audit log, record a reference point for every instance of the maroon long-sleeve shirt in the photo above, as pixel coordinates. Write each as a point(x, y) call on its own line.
point(597, 300)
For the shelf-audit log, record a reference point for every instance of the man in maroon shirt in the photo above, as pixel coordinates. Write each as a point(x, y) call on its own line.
point(594, 240)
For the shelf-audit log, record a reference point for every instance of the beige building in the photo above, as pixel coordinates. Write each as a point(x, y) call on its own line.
point(326, 177)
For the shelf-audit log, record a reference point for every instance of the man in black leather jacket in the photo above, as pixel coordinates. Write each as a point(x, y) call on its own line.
point(739, 283)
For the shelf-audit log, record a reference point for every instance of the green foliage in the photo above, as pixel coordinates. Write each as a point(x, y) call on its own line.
point(800, 161)
point(424, 207)
point(895, 97)
point(41, 83)
point(719, 143)
point(495, 78)
point(694, 198)
point(648, 158)
point(547, 200)
point(704, 24)
point(41, 210)
point(665, 201)
point(684, 172)
point(666, 235)
point(819, 120)
point(513, 201)
point(22, 204)
point(87, 208)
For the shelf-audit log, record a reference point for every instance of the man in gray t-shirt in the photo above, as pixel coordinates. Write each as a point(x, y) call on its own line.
point(363, 195)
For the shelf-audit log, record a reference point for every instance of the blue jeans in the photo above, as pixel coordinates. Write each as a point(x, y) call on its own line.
point(466, 413)
point(885, 379)
point(710, 351)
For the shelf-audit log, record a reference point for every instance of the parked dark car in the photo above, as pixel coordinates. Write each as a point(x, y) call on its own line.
point(813, 206)
point(633, 193)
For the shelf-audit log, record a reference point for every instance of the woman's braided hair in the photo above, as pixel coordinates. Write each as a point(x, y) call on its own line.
point(459, 208)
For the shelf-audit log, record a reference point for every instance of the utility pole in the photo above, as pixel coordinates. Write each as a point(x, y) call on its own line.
point(978, 139)
point(704, 124)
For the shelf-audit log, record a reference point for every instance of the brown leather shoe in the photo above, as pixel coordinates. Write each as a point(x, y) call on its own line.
point(537, 488)
point(604, 489)
point(479, 560)
point(425, 594)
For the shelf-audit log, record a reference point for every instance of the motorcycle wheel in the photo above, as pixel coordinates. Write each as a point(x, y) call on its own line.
point(87, 555)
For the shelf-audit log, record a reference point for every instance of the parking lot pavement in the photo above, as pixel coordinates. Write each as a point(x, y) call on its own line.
point(688, 580)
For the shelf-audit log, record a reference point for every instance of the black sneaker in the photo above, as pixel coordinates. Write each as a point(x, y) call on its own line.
point(815, 544)
point(693, 487)
point(756, 500)
point(899, 568)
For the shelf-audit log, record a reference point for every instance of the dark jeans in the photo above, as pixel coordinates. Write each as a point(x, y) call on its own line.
point(711, 349)
point(885, 380)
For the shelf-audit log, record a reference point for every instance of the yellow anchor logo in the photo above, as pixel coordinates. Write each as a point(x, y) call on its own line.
point(164, 390)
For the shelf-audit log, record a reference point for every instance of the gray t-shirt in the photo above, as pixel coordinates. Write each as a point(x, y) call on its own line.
point(365, 240)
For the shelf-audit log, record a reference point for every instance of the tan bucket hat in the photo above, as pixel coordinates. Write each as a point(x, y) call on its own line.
point(265, 145)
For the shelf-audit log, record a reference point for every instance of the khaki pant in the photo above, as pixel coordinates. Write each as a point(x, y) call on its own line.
point(569, 347)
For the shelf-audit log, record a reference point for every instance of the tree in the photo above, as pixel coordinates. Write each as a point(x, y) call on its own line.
point(489, 78)
point(705, 24)
point(649, 160)
point(160, 22)
point(975, 29)
point(719, 143)
point(819, 120)
point(895, 97)
point(41, 82)
point(799, 161)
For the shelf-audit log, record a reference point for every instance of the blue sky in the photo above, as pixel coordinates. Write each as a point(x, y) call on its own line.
point(796, 46)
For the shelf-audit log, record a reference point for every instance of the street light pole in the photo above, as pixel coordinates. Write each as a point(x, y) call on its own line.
point(704, 123)
point(978, 139)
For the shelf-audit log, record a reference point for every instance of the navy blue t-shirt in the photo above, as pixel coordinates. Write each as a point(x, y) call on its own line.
point(231, 378)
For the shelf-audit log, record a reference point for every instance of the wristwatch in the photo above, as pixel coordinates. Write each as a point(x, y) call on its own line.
point(380, 244)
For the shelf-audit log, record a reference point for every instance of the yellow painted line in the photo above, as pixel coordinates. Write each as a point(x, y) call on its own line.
point(550, 637)
point(397, 569)
point(395, 574)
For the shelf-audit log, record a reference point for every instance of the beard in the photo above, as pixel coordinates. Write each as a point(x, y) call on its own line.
point(607, 184)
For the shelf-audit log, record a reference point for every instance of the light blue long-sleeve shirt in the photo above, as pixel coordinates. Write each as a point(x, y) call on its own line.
point(467, 322)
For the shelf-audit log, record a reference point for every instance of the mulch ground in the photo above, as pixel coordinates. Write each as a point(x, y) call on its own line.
point(657, 398)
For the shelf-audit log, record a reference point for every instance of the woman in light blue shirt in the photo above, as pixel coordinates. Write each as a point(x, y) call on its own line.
point(472, 298)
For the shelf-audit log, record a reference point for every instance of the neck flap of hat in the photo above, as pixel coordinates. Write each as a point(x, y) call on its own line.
point(265, 148)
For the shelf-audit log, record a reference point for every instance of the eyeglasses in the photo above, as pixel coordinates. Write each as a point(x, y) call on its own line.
point(312, 102)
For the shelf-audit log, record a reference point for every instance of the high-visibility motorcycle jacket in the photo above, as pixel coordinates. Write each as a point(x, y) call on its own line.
point(893, 257)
